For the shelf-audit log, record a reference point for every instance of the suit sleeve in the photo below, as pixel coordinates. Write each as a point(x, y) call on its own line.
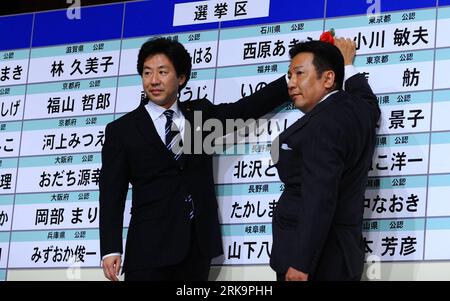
point(114, 179)
point(358, 86)
point(323, 161)
point(253, 106)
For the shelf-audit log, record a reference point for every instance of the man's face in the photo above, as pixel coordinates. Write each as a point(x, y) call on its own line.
point(305, 88)
point(160, 80)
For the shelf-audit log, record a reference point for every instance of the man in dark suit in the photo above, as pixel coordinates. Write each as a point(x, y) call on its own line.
point(324, 159)
point(174, 230)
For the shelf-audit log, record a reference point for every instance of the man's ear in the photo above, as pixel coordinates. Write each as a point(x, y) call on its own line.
point(181, 79)
point(329, 79)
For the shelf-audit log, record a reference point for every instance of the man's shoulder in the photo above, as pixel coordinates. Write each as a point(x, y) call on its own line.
point(335, 103)
point(339, 109)
point(346, 100)
point(345, 111)
point(197, 104)
point(356, 79)
point(123, 120)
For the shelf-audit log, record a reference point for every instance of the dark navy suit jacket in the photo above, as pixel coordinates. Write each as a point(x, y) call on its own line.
point(324, 159)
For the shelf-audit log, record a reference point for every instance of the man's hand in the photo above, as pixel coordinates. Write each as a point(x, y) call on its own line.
point(347, 48)
point(111, 267)
point(295, 275)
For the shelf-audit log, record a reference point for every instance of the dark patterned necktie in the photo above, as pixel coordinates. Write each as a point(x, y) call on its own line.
point(175, 145)
point(173, 137)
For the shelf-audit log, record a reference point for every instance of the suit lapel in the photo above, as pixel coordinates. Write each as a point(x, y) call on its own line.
point(294, 127)
point(147, 129)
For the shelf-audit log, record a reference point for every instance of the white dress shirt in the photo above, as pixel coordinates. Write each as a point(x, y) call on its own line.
point(159, 119)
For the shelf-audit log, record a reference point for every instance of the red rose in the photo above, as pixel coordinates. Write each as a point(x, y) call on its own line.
point(327, 36)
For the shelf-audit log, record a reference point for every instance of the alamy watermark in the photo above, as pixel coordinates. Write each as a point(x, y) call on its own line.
point(73, 271)
point(213, 136)
point(374, 10)
point(74, 10)
point(373, 271)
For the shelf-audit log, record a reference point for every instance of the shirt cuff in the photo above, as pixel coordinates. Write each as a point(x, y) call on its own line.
point(111, 254)
point(349, 71)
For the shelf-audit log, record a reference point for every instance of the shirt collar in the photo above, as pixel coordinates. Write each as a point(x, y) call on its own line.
point(329, 94)
point(158, 111)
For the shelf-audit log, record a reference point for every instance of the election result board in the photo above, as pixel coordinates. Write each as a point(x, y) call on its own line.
point(63, 79)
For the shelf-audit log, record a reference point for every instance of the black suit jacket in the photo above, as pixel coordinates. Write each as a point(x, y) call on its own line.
point(159, 231)
point(324, 159)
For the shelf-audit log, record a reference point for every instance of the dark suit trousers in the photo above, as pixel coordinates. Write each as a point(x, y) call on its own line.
point(195, 267)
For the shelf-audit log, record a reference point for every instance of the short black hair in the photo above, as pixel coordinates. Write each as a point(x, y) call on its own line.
point(174, 50)
point(326, 57)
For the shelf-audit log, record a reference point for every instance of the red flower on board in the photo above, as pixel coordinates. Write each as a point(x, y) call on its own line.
point(328, 36)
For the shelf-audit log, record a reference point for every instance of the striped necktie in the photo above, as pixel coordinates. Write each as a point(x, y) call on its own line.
point(173, 137)
point(175, 145)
